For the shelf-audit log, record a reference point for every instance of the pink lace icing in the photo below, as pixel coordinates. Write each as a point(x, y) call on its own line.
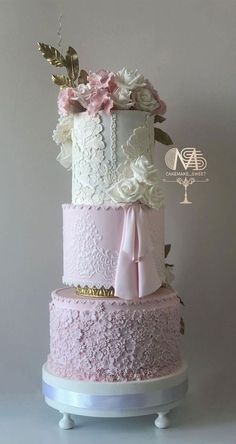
point(120, 247)
point(114, 339)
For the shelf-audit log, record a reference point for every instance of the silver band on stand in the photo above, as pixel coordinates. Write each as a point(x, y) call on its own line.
point(117, 402)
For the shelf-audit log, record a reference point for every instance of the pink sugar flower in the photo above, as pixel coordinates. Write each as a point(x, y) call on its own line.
point(67, 102)
point(161, 105)
point(102, 79)
point(147, 99)
point(99, 100)
point(95, 95)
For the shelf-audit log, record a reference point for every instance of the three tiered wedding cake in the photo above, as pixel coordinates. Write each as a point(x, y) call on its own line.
point(115, 328)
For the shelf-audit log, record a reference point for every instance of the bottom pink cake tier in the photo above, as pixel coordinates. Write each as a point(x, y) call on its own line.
point(110, 339)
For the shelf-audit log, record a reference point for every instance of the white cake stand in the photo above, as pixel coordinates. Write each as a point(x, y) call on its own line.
point(115, 399)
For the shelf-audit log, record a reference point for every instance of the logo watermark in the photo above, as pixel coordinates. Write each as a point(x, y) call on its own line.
point(187, 167)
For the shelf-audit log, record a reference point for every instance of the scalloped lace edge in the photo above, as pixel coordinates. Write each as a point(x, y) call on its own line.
point(74, 206)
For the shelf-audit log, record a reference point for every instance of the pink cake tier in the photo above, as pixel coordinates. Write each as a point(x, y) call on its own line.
point(111, 339)
point(119, 247)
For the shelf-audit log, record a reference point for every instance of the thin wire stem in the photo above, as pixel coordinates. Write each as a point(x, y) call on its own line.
point(59, 31)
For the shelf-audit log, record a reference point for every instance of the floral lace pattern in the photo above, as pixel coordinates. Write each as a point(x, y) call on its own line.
point(138, 177)
point(88, 257)
point(113, 161)
point(88, 166)
point(103, 341)
point(85, 254)
point(108, 169)
point(92, 239)
point(92, 172)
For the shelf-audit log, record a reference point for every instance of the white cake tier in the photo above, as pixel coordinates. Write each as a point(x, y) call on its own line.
point(112, 159)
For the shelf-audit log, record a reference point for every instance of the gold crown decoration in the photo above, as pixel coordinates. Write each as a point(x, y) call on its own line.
point(95, 292)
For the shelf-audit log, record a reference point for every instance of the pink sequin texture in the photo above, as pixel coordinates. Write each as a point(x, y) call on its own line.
point(113, 339)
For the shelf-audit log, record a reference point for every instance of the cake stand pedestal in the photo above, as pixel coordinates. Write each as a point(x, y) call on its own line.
point(115, 399)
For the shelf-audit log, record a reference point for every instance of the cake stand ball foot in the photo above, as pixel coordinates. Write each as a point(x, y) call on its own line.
point(162, 421)
point(66, 422)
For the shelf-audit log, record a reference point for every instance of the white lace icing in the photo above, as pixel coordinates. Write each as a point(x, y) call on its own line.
point(113, 129)
point(106, 167)
point(88, 166)
point(138, 178)
point(111, 156)
point(87, 255)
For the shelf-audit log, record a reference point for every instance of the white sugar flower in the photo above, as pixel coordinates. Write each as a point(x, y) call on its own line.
point(62, 136)
point(144, 100)
point(129, 79)
point(65, 156)
point(147, 99)
point(62, 133)
point(153, 196)
point(126, 191)
point(144, 171)
point(121, 98)
point(126, 81)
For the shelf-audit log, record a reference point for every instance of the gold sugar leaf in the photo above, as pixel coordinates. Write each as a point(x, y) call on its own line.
point(158, 118)
point(83, 77)
point(72, 64)
point(162, 137)
point(180, 300)
point(51, 54)
point(61, 80)
point(167, 249)
point(70, 61)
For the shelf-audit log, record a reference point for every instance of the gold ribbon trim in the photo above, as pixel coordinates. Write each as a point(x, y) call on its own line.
point(95, 292)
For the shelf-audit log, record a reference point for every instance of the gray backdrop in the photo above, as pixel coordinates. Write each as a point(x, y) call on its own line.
point(188, 50)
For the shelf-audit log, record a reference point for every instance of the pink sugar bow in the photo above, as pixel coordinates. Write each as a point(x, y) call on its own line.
point(136, 274)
